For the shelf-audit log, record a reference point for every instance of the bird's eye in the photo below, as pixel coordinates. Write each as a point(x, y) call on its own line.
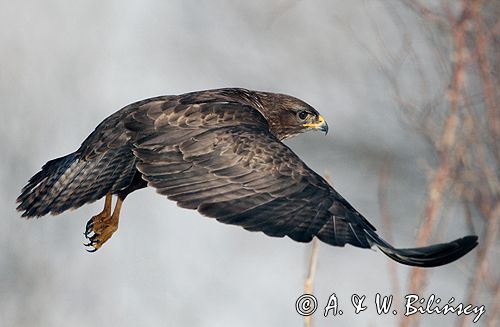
point(302, 115)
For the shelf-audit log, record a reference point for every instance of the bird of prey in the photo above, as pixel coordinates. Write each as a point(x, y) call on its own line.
point(219, 152)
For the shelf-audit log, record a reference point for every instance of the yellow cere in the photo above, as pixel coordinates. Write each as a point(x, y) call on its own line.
point(320, 122)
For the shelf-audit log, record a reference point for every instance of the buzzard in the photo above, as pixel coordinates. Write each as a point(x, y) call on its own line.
point(218, 152)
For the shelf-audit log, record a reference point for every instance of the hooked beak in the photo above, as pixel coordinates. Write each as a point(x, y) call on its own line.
point(320, 125)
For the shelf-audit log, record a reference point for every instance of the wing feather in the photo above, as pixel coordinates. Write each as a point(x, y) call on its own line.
point(218, 157)
point(236, 171)
point(212, 151)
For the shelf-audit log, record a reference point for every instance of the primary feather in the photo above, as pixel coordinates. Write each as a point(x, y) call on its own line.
point(218, 152)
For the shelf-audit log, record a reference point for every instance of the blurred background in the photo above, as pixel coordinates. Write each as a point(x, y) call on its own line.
point(410, 92)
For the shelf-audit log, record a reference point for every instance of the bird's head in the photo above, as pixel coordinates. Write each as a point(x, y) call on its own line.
point(289, 116)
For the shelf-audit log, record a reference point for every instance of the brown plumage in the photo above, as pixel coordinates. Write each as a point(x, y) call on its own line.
point(218, 152)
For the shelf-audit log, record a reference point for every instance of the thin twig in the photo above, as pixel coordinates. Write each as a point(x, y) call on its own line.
point(386, 224)
point(441, 178)
point(495, 310)
point(311, 272)
point(487, 85)
point(490, 235)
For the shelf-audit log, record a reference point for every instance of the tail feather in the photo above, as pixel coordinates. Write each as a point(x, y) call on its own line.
point(42, 187)
point(427, 256)
point(71, 181)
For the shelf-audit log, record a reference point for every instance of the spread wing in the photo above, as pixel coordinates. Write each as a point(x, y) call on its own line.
point(219, 158)
point(209, 152)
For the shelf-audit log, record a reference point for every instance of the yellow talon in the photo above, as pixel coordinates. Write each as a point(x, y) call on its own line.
point(102, 226)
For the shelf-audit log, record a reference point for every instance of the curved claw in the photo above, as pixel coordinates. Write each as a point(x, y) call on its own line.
point(89, 224)
point(88, 227)
point(91, 250)
point(92, 243)
point(101, 226)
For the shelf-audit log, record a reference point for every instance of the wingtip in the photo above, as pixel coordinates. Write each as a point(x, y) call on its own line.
point(468, 242)
point(433, 255)
point(470, 239)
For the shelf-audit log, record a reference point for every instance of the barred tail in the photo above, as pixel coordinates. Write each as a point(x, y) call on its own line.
point(71, 181)
point(44, 186)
